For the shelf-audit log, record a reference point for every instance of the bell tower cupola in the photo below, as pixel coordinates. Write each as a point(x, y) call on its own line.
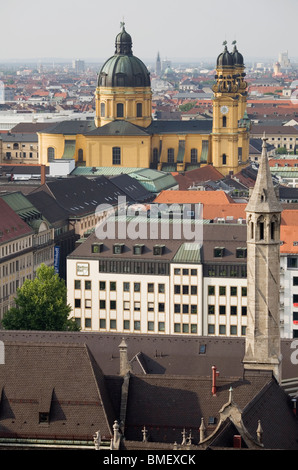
point(124, 87)
point(230, 138)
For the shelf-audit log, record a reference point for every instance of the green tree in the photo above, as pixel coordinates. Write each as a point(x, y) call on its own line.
point(41, 304)
point(187, 106)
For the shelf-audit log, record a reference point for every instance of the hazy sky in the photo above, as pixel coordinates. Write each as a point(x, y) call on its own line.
point(177, 29)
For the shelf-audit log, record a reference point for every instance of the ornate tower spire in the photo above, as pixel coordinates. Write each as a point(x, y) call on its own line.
point(263, 264)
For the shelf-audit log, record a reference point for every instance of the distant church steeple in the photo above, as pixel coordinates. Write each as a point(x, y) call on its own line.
point(263, 264)
point(158, 65)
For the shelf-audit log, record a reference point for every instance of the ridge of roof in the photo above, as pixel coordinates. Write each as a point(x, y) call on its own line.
point(118, 127)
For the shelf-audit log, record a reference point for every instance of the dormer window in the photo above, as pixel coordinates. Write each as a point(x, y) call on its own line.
point(219, 252)
point(96, 247)
point(138, 249)
point(118, 248)
point(158, 250)
point(241, 253)
point(44, 418)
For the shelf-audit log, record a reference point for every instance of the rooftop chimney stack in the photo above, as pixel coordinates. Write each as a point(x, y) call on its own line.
point(124, 362)
point(215, 374)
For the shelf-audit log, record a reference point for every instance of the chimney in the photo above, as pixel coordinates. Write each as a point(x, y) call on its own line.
point(215, 374)
point(124, 362)
point(42, 174)
point(237, 441)
point(294, 401)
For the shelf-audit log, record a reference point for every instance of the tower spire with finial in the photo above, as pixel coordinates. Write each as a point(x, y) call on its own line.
point(262, 347)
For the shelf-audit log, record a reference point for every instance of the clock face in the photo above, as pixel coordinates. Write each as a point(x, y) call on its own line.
point(224, 110)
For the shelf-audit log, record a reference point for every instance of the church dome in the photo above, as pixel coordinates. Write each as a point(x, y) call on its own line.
point(123, 69)
point(225, 59)
point(237, 57)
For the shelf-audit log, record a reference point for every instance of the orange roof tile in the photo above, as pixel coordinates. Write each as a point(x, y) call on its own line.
point(289, 217)
point(213, 211)
point(193, 197)
point(283, 162)
point(289, 237)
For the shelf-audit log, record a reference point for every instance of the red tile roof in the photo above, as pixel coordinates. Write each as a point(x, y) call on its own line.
point(289, 237)
point(283, 162)
point(11, 224)
point(199, 175)
point(193, 197)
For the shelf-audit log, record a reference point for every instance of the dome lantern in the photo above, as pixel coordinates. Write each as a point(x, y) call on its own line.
point(225, 59)
point(123, 42)
point(237, 57)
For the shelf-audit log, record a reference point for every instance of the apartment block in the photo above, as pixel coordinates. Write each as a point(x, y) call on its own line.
point(162, 286)
point(16, 255)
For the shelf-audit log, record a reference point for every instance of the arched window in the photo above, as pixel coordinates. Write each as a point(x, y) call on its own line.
point(251, 230)
point(273, 227)
point(224, 159)
point(102, 109)
point(261, 228)
point(194, 156)
point(80, 155)
point(171, 155)
point(116, 156)
point(120, 110)
point(51, 154)
point(139, 110)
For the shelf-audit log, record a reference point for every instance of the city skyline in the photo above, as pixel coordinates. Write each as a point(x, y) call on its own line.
point(195, 32)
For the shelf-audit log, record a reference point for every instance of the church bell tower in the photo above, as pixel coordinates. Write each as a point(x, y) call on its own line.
point(230, 132)
point(263, 264)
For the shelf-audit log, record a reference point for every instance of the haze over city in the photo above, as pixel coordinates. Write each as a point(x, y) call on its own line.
point(192, 30)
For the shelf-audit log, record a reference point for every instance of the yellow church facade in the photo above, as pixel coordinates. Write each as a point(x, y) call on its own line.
point(123, 133)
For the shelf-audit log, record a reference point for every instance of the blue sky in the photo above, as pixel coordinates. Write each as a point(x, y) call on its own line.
point(190, 29)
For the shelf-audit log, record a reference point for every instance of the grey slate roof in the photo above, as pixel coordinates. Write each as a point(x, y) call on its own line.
point(201, 126)
point(134, 190)
point(48, 207)
point(20, 137)
point(118, 127)
point(70, 127)
point(81, 196)
point(39, 386)
point(85, 390)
